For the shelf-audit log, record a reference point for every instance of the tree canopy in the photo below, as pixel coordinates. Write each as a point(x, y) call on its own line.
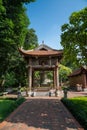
point(74, 38)
point(31, 40)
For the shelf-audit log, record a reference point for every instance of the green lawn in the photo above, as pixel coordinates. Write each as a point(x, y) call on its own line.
point(78, 107)
point(8, 105)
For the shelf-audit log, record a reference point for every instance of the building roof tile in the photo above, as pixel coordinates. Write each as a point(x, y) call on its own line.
point(78, 72)
point(41, 53)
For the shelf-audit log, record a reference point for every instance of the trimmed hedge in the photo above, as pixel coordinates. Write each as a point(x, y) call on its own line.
point(78, 107)
point(8, 105)
point(18, 102)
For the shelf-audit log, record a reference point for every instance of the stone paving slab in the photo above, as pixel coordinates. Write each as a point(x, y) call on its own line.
point(41, 114)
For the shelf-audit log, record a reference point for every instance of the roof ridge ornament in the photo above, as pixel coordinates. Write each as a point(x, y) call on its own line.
point(43, 42)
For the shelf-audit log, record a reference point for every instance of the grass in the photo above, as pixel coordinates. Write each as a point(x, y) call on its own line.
point(78, 107)
point(7, 105)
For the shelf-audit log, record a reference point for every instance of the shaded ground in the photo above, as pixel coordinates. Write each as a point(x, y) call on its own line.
point(41, 114)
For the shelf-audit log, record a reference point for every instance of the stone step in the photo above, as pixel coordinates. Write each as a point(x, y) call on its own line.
point(42, 94)
point(42, 89)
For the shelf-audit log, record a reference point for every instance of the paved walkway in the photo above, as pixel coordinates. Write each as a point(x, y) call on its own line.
point(41, 114)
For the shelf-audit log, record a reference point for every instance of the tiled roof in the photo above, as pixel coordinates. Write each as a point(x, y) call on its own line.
point(78, 72)
point(41, 52)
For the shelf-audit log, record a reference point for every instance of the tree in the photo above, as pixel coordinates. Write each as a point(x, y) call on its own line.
point(69, 63)
point(74, 38)
point(64, 72)
point(31, 40)
point(9, 79)
point(13, 28)
point(6, 31)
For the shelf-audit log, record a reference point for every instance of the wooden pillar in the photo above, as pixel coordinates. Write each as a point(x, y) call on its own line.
point(54, 78)
point(84, 80)
point(33, 78)
point(30, 78)
point(57, 75)
point(57, 78)
point(57, 82)
point(50, 61)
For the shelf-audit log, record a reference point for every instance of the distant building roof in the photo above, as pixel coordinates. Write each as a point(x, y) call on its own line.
point(78, 72)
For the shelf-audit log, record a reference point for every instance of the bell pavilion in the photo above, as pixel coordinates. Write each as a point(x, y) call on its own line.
point(43, 58)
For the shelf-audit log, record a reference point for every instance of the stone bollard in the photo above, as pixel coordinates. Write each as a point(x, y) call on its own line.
point(19, 91)
point(32, 94)
point(49, 94)
point(19, 94)
point(65, 93)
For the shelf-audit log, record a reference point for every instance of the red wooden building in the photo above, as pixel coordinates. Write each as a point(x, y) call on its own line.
point(78, 79)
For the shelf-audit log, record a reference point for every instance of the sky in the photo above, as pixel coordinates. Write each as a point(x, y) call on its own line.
point(47, 17)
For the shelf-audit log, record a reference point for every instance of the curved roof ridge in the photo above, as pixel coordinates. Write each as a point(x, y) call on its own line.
point(23, 50)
